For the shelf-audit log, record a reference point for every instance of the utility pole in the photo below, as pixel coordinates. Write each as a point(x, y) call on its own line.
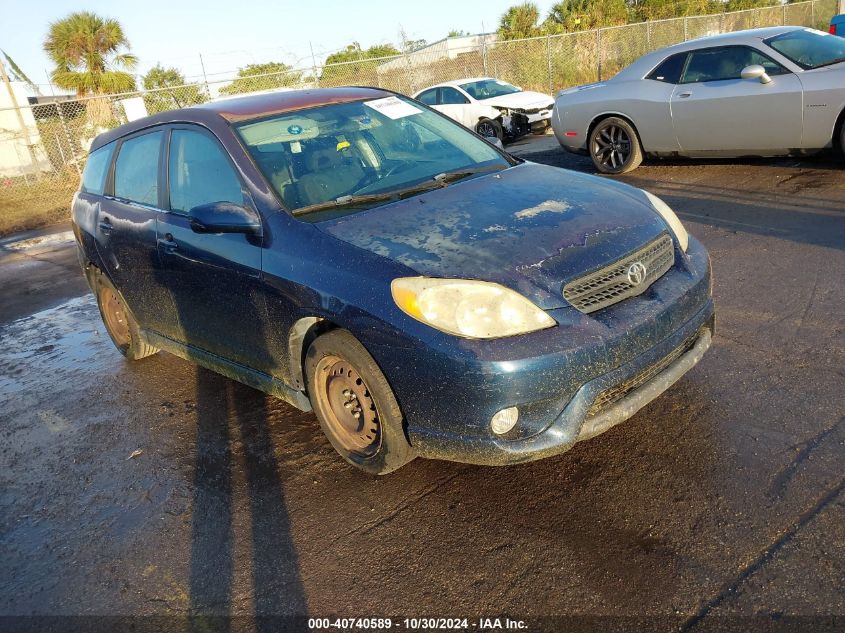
point(24, 128)
point(205, 77)
point(314, 64)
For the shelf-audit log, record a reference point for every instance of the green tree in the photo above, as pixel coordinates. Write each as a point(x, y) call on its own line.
point(362, 72)
point(581, 15)
point(739, 5)
point(250, 79)
point(91, 55)
point(662, 9)
point(520, 21)
point(169, 90)
point(458, 33)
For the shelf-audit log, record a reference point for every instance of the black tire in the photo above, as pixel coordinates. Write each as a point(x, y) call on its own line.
point(614, 146)
point(842, 139)
point(121, 326)
point(489, 128)
point(327, 362)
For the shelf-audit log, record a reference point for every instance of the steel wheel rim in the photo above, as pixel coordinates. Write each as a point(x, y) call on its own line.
point(115, 316)
point(486, 130)
point(347, 406)
point(612, 146)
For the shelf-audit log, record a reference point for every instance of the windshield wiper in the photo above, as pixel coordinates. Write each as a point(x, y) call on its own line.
point(440, 180)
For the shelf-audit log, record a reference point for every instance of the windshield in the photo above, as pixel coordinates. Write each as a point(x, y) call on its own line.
point(809, 48)
point(489, 88)
point(346, 155)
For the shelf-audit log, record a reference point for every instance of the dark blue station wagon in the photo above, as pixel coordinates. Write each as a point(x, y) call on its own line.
point(354, 252)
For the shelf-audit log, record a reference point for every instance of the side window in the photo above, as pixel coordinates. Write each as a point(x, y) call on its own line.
point(429, 97)
point(450, 96)
point(136, 169)
point(719, 64)
point(771, 66)
point(200, 172)
point(96, 168)
point(670, 69)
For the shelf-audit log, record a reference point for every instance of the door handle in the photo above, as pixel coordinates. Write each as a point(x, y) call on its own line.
point(105, 225)
point(684, 95)
point(168, 244)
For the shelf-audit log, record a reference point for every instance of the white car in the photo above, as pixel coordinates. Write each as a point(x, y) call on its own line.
point(491, 107)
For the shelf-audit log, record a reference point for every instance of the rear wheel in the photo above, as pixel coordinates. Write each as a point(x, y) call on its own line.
point(120, 324)
point(615, 147)
point(488, 128)
point(354, 404)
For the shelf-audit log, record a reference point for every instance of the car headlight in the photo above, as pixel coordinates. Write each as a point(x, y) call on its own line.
point(671, 219)
point(468, 308)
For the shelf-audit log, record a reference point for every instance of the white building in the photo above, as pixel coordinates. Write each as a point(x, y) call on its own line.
point(21, 152)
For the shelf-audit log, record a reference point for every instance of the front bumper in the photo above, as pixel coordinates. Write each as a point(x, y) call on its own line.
point(553, 376)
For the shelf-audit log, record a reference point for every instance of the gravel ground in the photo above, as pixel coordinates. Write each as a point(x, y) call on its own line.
point(160, 489)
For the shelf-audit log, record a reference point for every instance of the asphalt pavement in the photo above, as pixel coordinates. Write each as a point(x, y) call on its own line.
point(159, 489)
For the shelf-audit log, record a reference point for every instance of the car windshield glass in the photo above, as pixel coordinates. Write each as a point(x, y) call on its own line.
point(488, 88)
point(809, 48)
point(360, 149)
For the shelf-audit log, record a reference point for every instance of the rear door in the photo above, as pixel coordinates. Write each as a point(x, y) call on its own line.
point(714, 109)
point(215, 279)
point(126, 227)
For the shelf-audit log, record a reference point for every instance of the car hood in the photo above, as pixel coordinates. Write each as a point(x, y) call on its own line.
point(531, 228)
point(526, 100)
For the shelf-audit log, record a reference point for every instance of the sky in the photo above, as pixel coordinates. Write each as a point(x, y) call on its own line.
point(230, 34)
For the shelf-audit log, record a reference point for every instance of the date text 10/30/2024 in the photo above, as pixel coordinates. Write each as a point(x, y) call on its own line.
point(416, 624)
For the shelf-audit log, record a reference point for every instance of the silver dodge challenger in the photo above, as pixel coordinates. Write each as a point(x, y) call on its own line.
point(763, 92)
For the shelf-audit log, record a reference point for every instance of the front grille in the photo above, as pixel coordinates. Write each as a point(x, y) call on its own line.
point(617, 392)
point(610, 284)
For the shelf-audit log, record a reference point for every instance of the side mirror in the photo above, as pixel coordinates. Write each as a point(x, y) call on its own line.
point(224, 217)
point(755, 71)
point(497, 142)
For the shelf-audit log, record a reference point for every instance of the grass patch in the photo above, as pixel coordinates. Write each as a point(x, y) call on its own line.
point(26, 206)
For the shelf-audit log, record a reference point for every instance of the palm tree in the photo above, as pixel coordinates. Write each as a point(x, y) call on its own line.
point(91, 54)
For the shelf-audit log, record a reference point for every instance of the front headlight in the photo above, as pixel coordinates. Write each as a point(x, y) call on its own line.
point(672, 220)
point(468, 308)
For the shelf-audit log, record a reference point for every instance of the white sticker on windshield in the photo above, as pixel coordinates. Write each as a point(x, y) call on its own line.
point(392, 107)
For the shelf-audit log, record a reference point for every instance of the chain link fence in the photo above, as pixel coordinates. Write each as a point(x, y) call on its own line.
point(43, 146)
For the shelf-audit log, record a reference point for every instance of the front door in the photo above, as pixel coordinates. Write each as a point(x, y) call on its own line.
point(215, 279)
point(456, 106)
point(714, 109)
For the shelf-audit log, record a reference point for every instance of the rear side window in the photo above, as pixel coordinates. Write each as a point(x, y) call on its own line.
point(669, 71)
point(136, 169)
point(429, 97)
point(96, 168)
point(200, 172)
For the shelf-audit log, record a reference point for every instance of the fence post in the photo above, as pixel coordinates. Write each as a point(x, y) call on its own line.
point(484, 51)
point(598, 52)
point(549, 59)
point(58, 107)
point(813, 14)
point(841, 6)
point(686, 29)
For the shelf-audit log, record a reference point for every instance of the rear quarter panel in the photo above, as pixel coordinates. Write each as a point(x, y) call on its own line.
point(644, 102)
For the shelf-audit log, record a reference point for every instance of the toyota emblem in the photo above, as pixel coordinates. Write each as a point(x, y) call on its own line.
point(636, 273)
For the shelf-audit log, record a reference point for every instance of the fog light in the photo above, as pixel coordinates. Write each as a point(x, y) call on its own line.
point(504, 420)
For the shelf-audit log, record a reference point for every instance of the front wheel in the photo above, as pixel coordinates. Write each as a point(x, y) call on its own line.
point(355, 405)
point(615, 147)
point(489, 129)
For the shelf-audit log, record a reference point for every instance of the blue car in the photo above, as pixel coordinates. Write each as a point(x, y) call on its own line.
point(837, 25)
point(355, 253)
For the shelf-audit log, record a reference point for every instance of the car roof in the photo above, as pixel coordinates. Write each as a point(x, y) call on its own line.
point(456, 83)
point(648, 61)
point(245, 107)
